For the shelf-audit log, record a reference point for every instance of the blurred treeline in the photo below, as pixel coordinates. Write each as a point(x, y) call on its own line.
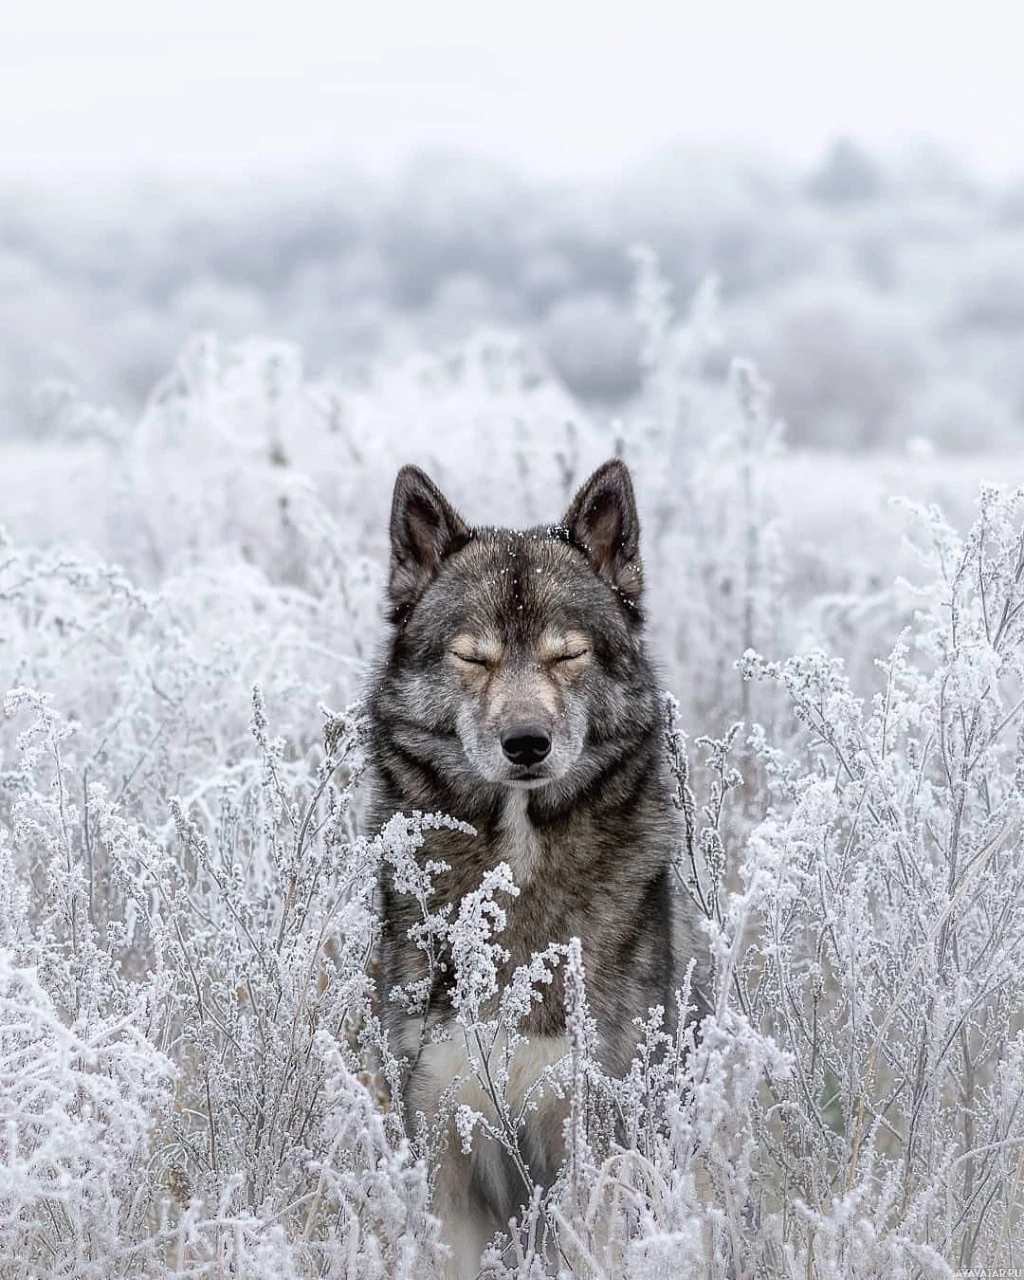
point(884, 299)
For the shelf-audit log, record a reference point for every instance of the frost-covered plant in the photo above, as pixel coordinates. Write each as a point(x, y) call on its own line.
point(700, 446)
point(193, 1008)
point(78, 1098)
point(889, 881)
point(193, 1077)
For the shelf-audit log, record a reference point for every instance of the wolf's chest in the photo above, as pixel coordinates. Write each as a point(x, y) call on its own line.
point(519, 842)
point(525, 1081)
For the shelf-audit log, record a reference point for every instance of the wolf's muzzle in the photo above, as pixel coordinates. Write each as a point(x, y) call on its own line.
point(526, 744)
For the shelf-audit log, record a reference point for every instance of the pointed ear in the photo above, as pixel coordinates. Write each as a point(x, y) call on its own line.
point(603, 521)
point(424, 529)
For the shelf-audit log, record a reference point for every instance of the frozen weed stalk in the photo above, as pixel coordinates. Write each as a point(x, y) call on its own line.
point(194, 1080)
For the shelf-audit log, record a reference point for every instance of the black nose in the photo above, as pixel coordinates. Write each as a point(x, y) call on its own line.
point(526, 743)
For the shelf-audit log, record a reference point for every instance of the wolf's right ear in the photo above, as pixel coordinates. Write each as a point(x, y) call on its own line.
point(424, 529)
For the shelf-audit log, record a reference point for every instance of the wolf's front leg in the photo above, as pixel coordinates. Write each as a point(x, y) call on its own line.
point(477, 1193)
point(466, 1223)
point(466, 1220)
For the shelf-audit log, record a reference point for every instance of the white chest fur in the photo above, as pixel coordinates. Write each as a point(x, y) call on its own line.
point(520, 842)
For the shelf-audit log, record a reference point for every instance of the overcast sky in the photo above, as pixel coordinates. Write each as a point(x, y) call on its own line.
point(559, 87)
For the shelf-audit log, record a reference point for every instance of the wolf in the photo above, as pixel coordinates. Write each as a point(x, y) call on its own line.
point(515, 692)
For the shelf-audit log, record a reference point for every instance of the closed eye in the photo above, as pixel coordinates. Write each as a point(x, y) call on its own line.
point(472, 661)
point(571, 657)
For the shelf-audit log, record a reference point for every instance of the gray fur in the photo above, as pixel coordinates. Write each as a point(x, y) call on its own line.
point(493, 628)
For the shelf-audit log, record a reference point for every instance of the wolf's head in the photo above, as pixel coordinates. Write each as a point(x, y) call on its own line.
point(516, 658)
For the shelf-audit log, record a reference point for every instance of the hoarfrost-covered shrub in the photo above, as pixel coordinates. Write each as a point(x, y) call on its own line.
point(76, 1106)
point(193, 1078)
point(891, 923)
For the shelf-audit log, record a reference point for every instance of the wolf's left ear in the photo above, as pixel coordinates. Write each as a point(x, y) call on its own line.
point(603, 521)
point(424, 529)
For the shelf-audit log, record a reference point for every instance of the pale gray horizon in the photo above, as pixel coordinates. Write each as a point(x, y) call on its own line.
point(571, 90)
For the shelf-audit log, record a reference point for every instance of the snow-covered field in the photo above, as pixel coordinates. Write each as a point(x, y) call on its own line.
point(188, 603)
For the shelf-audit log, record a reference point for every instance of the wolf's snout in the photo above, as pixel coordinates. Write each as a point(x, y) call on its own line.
point(526, 744)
